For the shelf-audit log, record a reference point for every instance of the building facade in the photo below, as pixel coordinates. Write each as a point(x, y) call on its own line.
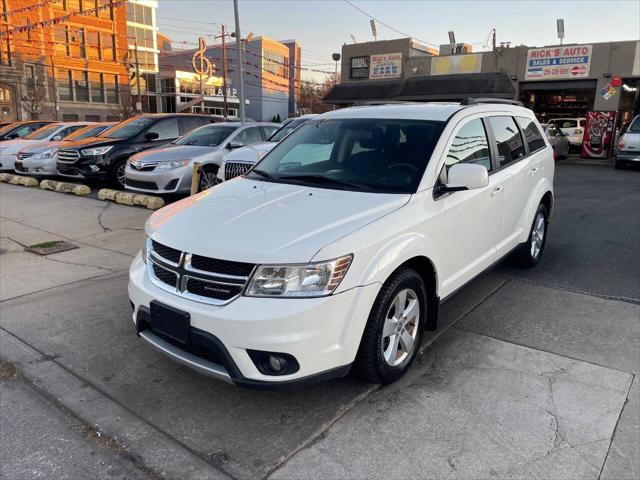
point(142, 40)
point(554, 81)
point(70, 67)
point(271, 77)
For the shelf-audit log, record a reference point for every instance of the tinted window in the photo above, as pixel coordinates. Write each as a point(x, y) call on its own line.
point(26, 130)
point(508, 139)
point(87, 132)
point(207, 136)
point(68, 131)
point(269, 130)
point(470, 145)
point(44, 132)
point(166, 129)
point(286, 129)
point(128, 128)
point(531, 134)
point(189, 123)
point(371, 155)
point(249, 136)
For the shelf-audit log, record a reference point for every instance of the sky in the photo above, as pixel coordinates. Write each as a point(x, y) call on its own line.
point(322, 27)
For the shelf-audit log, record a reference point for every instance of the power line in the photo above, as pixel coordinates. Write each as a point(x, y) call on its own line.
point(386, 24)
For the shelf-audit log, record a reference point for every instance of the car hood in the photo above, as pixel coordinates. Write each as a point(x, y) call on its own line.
point(17, 144)
point(250, 153)
point(262, 222)
point(91, 141)
point(171, 152)
point(42, 147)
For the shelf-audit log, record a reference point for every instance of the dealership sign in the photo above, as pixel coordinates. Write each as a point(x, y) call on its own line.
point(558, 62)
point(386, 65)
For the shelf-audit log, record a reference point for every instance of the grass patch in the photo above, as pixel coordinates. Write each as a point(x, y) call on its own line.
point(49, 244)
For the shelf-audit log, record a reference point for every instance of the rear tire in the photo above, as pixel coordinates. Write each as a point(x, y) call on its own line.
point(393, 333)
point(529, 253)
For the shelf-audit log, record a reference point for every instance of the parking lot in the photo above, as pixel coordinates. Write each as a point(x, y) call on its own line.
point(531, 374)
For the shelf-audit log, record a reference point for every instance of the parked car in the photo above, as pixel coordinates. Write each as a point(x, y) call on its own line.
point(573, 128)
point(628, 148)
point(105, 156)
point(239, 161)
point(52, 132)
point(168, 169)
point(312, 265)
point(558, 140)
point(40, 159)
point(21, 129)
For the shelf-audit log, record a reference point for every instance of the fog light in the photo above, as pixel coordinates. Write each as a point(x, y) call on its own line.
point(274, 363)
point(277, 364)
point(94, 168)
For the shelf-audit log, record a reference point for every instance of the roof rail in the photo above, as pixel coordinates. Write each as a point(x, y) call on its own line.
point(477, 101)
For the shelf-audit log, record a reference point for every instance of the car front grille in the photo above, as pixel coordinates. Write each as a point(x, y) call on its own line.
point(204, 279)
point(23, 156)
point(140, 184)
point(67, 170)
point(235, 169)
point(68, 156)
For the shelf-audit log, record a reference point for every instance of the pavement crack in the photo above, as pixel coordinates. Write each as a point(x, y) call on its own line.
point(102, 211)
point(109, 270)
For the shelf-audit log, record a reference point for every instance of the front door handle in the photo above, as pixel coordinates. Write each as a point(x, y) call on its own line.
point(533, 170)
point(496, 191)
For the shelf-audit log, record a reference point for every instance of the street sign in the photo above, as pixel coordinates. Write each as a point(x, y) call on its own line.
point(558, 62)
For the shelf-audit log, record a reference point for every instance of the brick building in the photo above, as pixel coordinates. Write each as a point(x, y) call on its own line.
point(68, 69)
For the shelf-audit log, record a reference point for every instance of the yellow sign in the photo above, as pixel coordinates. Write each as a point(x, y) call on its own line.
point(202, 66)
point(450, 64)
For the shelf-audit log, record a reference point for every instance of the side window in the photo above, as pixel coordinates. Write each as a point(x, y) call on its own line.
point(508, 139)
point(249, 136)
point(22, 131)
point(470, 145)
point(268, 131)
point(68, 131)
point(166, 129)
point(32, 127)
point(531, 133)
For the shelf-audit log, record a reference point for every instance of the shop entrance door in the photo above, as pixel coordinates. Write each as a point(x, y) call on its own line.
point(7, 105)
point(559, 99)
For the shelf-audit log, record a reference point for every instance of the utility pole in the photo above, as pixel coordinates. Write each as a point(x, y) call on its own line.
point(55, 89)
point(494, 39)
point(139, 102)
point(240, 60)
point(225, 109)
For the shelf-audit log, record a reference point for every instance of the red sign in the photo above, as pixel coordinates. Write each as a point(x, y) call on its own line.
point(598, 134)
point(616, 82)
point(578, 70)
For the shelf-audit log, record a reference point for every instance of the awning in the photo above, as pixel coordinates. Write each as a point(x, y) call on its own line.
point(427, 88)
point(559, 85)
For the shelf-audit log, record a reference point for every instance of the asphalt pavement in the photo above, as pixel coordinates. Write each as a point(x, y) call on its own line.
point(532, 373)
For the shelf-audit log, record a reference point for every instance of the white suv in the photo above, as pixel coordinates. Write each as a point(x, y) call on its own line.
point(572, 128)
point(336, 250)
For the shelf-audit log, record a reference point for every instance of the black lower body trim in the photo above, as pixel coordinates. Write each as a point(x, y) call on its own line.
point(209, 347)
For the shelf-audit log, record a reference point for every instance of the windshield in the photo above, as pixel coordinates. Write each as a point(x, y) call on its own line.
point(8, 128)
point(635, 126)
point(372, 155)
point(128, 128)
point(86, 132)
point(43, 133)
point(207, 136)
point(287, 129)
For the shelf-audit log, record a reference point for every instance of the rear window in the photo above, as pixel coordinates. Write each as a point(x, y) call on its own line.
point(566, 123)
point(532, 134)
point(635, 125)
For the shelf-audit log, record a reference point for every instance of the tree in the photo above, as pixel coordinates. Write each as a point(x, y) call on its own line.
point(312, 94)
point(127, 105)
point(34, 99)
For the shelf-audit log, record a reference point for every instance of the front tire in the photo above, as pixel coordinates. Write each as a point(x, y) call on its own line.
point(117, 174)
point(208, 177)
point(393, 333)
point(529, 253)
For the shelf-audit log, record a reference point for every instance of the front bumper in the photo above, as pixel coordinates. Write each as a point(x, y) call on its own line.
point(176, 180)
point(7, 160)
point(628, 156)
point(83, 168)
point(323, 334)
point(32, 166)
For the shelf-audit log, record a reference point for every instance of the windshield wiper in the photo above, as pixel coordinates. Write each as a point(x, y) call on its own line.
point(320, 179)
point(261, 173)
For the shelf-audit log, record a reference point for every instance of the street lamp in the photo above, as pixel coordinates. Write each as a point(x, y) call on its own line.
point(336, 58)
point(240, 60)
point(560, 28)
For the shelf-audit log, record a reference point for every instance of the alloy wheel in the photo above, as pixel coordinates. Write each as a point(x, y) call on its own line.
point(120, 174)
point(537, 235)
point(400, 327)
point(208, 179)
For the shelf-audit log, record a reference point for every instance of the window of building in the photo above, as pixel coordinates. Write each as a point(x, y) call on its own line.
point(61, 40)
point(97, 87)
point(508, 139)
point(92, 118)
point(275, 63)
point(143, 36)
point(63, 80)
point(81, 84)
point(108, 46)
point(470, 145)
point(73, 5)
point(30, 75)
point(70, 117)
point(359, 67)
point(93, 45)
point(532, 134)
point(111, 87)
point(77, 44)
point(106, 12)
point(5, 50)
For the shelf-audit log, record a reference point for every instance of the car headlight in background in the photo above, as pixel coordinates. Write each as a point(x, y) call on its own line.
point(173, 164)
point(89, 152)
point(311, 280)
point(46, 154)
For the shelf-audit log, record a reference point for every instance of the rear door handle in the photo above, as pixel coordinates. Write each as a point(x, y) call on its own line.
point(496, 191)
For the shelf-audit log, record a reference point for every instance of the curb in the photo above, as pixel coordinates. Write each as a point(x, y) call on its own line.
point(132, 199)
point(18, 180)
point(65, 187)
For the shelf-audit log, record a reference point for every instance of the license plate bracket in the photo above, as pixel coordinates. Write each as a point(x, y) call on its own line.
point(170, 322)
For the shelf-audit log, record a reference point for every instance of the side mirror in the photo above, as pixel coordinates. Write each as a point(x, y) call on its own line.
point(151, 136)
point(466, 176)
point(234, 145)
point(56, 138)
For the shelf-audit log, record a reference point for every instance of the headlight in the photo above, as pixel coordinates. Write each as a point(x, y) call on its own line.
point(311, 280)
point(173, 164)
point(96, 151)
point(46, 154)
